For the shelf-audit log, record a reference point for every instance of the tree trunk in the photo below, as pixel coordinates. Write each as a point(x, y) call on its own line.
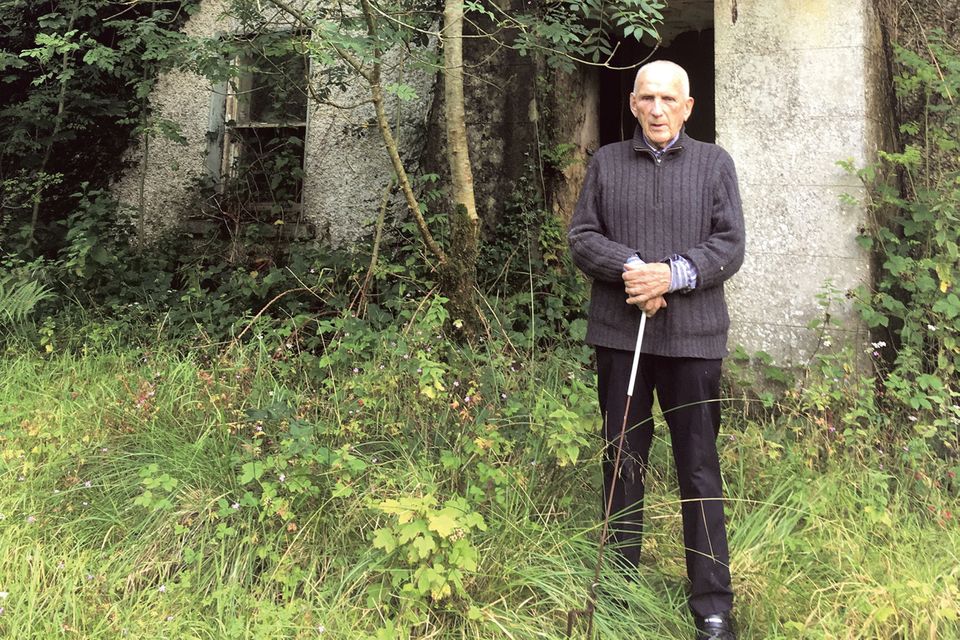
point(459, 275)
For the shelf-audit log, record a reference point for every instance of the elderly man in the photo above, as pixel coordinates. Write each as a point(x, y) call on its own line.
point(674, 202)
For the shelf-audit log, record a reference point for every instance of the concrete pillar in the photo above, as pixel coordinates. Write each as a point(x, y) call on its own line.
point(795, 94)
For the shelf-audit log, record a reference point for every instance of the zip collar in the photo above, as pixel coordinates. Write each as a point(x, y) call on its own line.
point(640, 144)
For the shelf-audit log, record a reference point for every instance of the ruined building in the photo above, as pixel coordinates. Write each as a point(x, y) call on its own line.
point(788, 87)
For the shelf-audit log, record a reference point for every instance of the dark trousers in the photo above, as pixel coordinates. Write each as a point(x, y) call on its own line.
point(688, 390)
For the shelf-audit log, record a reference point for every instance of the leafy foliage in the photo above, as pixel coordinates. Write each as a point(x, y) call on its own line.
point(75, 77)
point(20, 292)
point(916, 235)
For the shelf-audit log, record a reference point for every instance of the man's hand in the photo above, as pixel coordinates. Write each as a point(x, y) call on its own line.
point(644, 283)
point(653, 305)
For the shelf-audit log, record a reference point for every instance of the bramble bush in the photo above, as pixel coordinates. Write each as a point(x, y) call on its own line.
point(915, 234)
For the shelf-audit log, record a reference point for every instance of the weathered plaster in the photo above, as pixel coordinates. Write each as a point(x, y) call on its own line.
point(680, 16)
point(170, 169)
point(346, 164)
point(794, 97)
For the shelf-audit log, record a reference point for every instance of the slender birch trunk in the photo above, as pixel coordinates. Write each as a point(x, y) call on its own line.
point(459, 278)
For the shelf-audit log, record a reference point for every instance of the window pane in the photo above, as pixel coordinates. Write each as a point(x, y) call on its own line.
point(277, 91)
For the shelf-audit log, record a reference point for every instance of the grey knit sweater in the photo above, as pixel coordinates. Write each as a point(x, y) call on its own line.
point(686, 203)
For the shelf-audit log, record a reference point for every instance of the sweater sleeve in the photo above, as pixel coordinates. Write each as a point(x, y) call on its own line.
point(597, 255)
point(721, 254)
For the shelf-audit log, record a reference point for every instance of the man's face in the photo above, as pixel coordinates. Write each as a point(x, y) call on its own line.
point(659, 105)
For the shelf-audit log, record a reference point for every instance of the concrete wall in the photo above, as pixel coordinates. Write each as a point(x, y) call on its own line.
point(796, 92)
point(346, 164)
point(164, 169)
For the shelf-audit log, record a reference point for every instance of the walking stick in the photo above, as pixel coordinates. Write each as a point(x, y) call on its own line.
point(591, 603)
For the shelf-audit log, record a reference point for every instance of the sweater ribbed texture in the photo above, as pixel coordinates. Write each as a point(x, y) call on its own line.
point(687, 204)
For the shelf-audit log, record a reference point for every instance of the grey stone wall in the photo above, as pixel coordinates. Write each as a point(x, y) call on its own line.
point(347, 167)
point(796, 92)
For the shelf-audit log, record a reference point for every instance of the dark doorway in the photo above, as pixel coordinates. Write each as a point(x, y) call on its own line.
point(692, 50)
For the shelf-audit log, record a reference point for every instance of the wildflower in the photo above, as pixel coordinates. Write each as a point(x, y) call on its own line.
point(282, 478)
point(21, 478)
point(89, 577)
point(356, 370)
point(878, 345)
point(235, 505)
point(60, 565)
point(456, 383)
point(31, 519)
point(162, 588)
point(912, 418)
point(1, 611)
point(503, 396)
point(876, 354)
point(931, 327)
point(169, 618)
point(321, 628)
point(3, 595)
point(103, 450)
point(467, 399)
point(87, 484)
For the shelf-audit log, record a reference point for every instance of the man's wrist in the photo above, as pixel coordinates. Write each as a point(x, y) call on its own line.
point(683, 275)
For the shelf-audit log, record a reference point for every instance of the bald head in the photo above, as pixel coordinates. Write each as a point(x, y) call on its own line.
point(661, 101)
point(668, 71)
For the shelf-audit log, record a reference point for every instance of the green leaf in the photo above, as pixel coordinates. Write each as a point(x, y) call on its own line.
point(424, 546)
point(384, 539)
point(443, 523)
point(250, 471)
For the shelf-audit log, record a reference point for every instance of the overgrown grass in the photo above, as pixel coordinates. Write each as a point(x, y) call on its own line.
point(163, 494)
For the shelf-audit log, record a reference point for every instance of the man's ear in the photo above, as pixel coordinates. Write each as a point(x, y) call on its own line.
point(633, 105)
point(688, 108)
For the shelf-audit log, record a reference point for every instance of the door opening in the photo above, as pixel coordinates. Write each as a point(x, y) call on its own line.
point(692, 50)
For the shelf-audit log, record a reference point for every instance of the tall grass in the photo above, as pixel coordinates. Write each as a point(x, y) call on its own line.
point(821, 548)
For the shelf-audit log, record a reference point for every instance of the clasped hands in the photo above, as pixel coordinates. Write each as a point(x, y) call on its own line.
point(645, 284)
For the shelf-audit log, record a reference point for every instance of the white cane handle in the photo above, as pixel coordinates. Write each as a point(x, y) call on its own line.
point(636, 353)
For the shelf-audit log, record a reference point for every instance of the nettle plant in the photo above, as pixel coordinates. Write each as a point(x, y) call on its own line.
point(915, 234)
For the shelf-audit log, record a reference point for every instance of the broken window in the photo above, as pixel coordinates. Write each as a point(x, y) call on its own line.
point(264, 130)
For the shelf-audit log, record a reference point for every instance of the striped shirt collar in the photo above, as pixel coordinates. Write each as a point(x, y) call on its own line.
point(657, 151)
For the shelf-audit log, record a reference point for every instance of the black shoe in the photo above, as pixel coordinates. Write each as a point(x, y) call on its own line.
point(715, 627)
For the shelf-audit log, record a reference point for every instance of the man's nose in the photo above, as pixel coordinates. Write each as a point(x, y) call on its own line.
point(657, 107)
